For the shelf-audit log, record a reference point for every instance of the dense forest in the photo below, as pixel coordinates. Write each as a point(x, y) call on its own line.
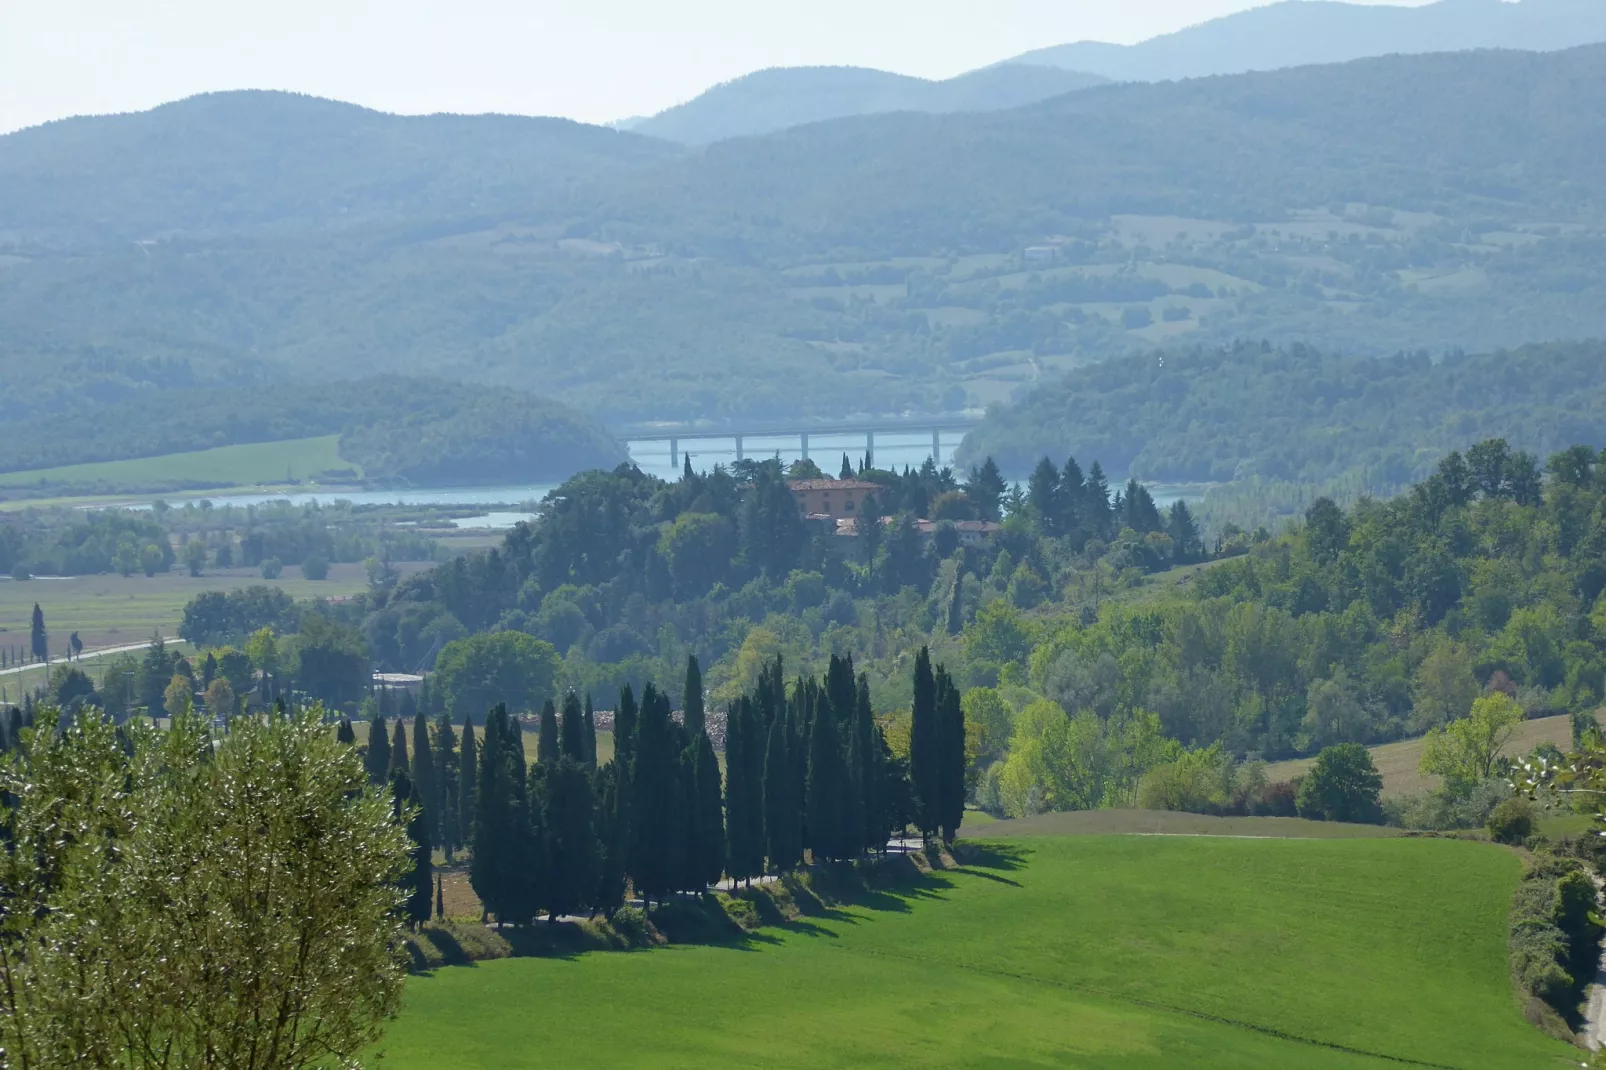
point(390, 427)
point(1374, 205)
point(1297, 414)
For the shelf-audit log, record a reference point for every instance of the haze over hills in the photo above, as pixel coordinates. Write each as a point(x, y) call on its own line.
point(770, 100)
point(1293, 33)
point(883, 263)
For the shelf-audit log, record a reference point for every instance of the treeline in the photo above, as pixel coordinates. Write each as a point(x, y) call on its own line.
point(1295, 413)
point(392, 427)
point(808, 775)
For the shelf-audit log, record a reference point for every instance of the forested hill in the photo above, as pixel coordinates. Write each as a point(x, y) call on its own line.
point(422, 430)
point(226, 162)
point(1296, 32)
point(770, 100)
point(891, 263)
point(1300, 414)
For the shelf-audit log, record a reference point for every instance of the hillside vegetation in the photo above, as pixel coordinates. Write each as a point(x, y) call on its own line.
point(1295, 32)
point(1274, 953)
point(770, 100)
point(1297, 414)
point(885, 263)
point(420, 430)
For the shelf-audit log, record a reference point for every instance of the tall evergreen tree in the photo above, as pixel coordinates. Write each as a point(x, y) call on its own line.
point(1072, 497)
point(588, 734)
point(419, 881)
point(783, 844)
point(986, 489)
point(709, 861)
point(468, 782)
point(571, 729)
point(956, 599)
point(446, 788)
point(490, 868)
point(398, 753)
point(655, 800)
point(951, 751)
point(1043, 497)
point(568, 823)
point(744, 784)
point(1096, 502)
point(925, 755)
point(377, 758)
point(344, 733)
point(547, 746)
point(625, 728)
point(39, 639)
point(867, 768)
point(424, 780)
point(613, 833)
point(692, 698)
point(830, 833)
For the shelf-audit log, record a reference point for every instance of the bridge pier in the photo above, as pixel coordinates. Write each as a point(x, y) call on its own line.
point(739, 454)
point(674, 452)
point(869, 449)
point(936, 446)
point(805, 441)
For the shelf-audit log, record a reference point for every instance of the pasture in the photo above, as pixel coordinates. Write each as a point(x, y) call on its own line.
point(1079, 951)
point(226, 466)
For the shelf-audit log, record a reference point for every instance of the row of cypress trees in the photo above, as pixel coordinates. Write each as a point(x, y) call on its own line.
point(808, 769)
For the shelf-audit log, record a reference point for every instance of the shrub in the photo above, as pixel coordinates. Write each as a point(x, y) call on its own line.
point(1278, 799)
point(1554, 940)
point(315, 568)
point(272, 568)
point(1511, 822)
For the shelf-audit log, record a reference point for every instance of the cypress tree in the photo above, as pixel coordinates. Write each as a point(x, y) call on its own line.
point(488, 867)
point(424, 780)
point(625, 728)
point(14, 728)
point(744, 791)
point(571, 731)
point(847, 468)
point(572, 853)
point(709, 863)
point(829, 836)
point(692, 698)
point(614, 832)
point(782, 834)
point(685, 841)
point(398, 752)
point(925, 756)
point(654, 791)
point(468, 780)
point(588, 734)
point(377, 758)
point(344, 733)
point(951, 749)
point(440, 900)
point(39, 639)
point(956, 599)
point(547, 750)
point(419, 879)
point(446, 788)
point(869, 744)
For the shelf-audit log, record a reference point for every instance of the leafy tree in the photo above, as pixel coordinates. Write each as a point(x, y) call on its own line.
point(312, 972)
point(473, 674)
point(315, 568)
point(71, 688)
point(331, 660)
point(219, 697)
point(179, 697)
point(1342, 785)
point(195, 556)
point(1466, 751)
point(1443, 687)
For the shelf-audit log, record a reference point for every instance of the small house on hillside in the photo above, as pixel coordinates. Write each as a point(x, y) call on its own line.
point(833, 498)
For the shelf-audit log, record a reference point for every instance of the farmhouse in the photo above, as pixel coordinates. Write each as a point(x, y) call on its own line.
point(831, 498)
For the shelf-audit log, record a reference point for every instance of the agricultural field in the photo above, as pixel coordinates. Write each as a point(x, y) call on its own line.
point(226, 466)
point(1399, 762)
point(1079, 951)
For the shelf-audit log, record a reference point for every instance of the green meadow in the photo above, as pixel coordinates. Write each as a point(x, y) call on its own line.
point(1062, 951)
point(248, 465)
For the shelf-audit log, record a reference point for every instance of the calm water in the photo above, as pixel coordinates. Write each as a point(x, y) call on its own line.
point(893, 450)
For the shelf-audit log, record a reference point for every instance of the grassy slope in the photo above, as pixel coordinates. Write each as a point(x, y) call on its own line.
point(1400, 762)
point(263, 462)
point(1089, 951)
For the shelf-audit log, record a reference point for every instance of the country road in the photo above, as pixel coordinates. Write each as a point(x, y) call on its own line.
point(87, 655)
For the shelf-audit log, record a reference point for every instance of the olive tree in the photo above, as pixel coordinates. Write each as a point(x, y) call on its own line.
point(175, 901)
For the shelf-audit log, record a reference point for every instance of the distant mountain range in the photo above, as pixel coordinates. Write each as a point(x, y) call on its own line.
point(775, 99)
point(1293, 33)
point(1290, 33)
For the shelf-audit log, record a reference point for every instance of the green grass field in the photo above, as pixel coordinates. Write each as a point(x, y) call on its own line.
point(1089, 951)
point(263, 462)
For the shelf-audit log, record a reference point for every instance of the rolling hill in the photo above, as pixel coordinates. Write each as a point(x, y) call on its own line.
point(776, 99)
point(1294, 33)
point(881, 263)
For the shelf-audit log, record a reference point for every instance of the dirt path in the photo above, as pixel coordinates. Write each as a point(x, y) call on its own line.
point(1594, 1028)
point(104, 651)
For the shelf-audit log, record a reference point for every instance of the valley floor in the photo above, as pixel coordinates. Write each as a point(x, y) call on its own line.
point(1053, 950)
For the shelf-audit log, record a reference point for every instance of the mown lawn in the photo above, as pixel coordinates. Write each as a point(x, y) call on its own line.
point(1093, 951)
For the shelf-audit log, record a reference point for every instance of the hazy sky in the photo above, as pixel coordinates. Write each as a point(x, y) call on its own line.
point(593, 60)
